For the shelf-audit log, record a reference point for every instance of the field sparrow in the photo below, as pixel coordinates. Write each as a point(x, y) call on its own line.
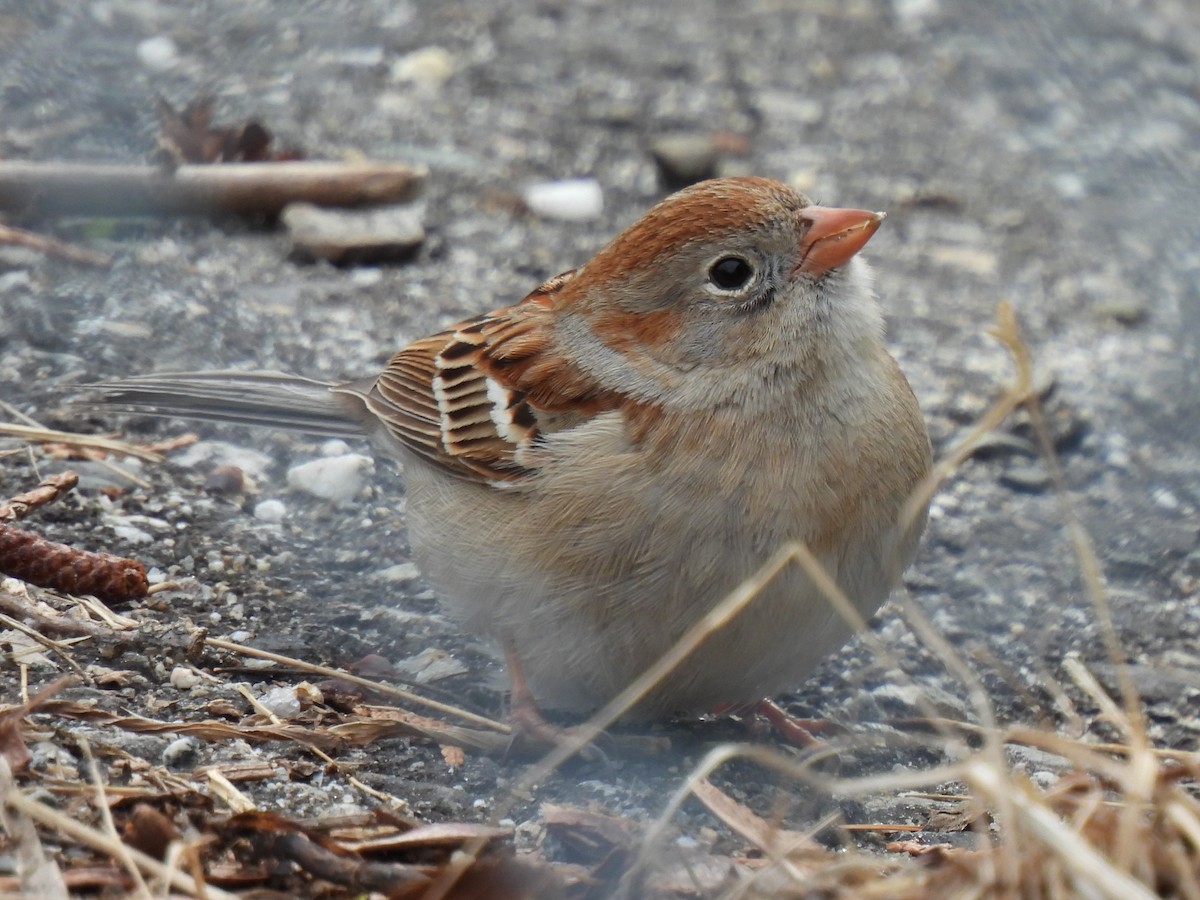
point(590, 470)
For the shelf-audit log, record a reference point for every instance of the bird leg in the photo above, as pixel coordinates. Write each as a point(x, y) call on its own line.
point(527, 720)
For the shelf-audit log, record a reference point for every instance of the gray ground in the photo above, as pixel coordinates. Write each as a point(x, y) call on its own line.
point(1038, 152)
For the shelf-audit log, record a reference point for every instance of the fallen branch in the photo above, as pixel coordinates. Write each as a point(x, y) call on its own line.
point(242, 189)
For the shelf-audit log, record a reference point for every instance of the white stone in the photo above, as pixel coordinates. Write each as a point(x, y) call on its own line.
point(572, 200)
point(398, 573)
point(336, 478)
point(429, 67)
point(179, 751)
point(335, 447)
point(158, 54)
point(282, 702)
point(132, 535)
point(270, 511)
point(184, 679)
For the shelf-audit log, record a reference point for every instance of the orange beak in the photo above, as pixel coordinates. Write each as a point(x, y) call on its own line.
point(833, 236)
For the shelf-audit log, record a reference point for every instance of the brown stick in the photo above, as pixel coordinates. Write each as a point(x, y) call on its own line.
point(244, 189)
point(53, 247)
point(46, 492)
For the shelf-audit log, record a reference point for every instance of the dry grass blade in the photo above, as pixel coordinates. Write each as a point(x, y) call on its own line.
point(771, 839)
point(1118, 825)
point(100, 801)
point(1091, 873)
point(50, 246)
point(382, 688)
point(67, 827)
point(40, 877)
point(92, 441)
point(1005, 330)
point(209, 730)
point(232, 797)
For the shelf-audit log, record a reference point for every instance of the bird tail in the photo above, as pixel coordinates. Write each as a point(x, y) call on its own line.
point(270, 399)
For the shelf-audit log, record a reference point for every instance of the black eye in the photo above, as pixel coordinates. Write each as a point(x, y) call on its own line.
point(730, 273)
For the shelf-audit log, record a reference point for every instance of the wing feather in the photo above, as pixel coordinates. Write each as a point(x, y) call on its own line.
point(462, 398)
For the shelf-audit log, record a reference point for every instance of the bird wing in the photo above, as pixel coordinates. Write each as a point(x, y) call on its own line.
point(475, 398)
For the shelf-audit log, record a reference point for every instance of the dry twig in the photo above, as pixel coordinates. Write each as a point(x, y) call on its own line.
point(47, 492)
point(53, 247)
point(246, 189)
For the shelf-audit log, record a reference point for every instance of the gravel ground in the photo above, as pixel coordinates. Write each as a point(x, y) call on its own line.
point(1036, 152)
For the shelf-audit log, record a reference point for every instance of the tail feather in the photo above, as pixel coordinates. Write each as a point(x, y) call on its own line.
point(270, 399)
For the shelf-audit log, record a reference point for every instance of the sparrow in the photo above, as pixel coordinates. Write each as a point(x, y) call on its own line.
point(589, 471)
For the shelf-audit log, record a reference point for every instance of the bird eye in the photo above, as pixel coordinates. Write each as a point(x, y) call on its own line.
point(730, 273)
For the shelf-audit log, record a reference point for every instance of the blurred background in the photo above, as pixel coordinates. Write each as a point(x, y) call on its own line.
point(1040, 152)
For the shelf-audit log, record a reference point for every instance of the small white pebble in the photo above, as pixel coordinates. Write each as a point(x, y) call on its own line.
point(429, 67)
point(270, 511)
point(132, 535)
point(1165, 499)
point(1070, 186)
point(336, 478)
point(179, 751)
point(184, 679)
point(400, 572)
point(366, 276)
point(335, 447)
point(282, 702)
point(158, 54)
point(573, 200)
point(12, 280)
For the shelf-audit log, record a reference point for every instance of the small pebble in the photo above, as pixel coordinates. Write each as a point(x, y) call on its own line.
point(573, 200)
point(1165, 499)
point(158, 54)
point(366, 277)
point(685, 157)
point(335, 447)
point(132, 535)
point(336, 478)
point(225, 480)
point(429, 67)
point(282, 702)
point(179, 752)
point(270, 511)
point(184, 679)
point(351, 237)
point(1025, 479)
point(399, 573)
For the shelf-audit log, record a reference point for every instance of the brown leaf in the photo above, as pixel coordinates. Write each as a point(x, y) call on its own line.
point(188, 136)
